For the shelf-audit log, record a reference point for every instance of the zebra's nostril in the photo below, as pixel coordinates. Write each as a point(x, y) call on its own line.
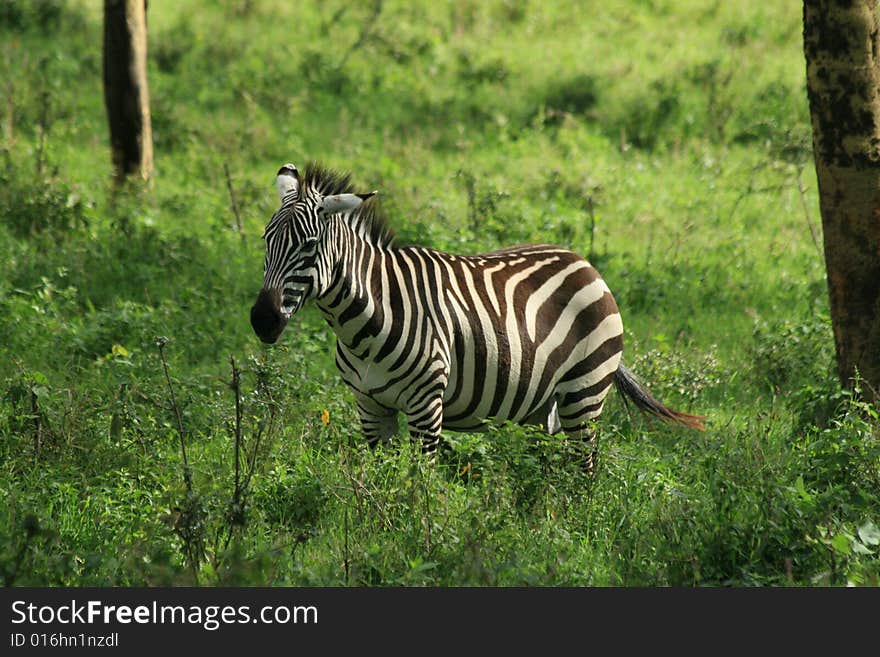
point(266, 319)
point(267, 325)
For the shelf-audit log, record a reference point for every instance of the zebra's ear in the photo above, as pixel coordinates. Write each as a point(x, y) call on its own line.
point(342, 202)
point(287, 181)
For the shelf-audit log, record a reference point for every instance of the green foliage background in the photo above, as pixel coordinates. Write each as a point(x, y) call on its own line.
point(669, 141)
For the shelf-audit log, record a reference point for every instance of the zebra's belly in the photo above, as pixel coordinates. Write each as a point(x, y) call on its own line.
point(400, 387)
point(492, 395)
point(521, 379)
point(470, 398)
point(381, 386)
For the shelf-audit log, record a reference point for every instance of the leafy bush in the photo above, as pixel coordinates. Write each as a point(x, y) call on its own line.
point(27, 208)
point(292, 498)
point(790, 350)
point(46, 16)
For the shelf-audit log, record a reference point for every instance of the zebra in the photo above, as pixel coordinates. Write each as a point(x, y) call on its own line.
point(528, 334)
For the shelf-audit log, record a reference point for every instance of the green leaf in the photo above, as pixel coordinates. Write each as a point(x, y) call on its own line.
point(869, 533)
point(841, 543)
point(115, 426)
point(419, 566)
point(801, 489)
point(858, 548)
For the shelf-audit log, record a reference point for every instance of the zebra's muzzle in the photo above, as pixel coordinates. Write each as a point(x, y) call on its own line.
point(266, 316)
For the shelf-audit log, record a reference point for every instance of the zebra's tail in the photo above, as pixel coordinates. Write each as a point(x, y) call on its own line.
point(629, 385)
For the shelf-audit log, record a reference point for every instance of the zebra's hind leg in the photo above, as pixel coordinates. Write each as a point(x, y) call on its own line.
point(379, 423)
point(425, 424)
point(580, 404)
point(581, 426)
point(588, 437)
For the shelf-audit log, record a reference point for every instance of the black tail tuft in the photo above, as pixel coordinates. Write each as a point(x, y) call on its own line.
point(629, 385)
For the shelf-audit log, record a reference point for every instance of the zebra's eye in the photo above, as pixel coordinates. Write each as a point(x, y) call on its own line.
point(305, 244)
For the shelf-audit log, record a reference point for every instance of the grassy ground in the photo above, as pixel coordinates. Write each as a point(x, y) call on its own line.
point(669, 141)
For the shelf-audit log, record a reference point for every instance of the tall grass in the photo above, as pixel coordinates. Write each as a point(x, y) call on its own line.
point(669, 141)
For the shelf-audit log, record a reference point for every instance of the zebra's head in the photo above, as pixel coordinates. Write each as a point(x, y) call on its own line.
point(297, 265)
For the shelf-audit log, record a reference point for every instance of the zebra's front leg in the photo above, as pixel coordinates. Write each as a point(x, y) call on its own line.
point(379, 423)
point(425, 424)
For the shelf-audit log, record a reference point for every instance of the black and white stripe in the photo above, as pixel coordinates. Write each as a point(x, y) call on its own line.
point(528, 334)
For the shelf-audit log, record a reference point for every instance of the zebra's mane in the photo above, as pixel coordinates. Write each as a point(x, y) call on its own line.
point(368, 220)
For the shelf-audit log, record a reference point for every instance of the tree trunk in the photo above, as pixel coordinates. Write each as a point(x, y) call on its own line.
point(125, 88)
point(842, 46)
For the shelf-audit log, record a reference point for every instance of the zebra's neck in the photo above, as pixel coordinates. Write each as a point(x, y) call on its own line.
point(349, 299)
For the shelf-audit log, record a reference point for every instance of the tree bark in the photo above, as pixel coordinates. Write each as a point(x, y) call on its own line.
point(842, 47)
point(126, 94)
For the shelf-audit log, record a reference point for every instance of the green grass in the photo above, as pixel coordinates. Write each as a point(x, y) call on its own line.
point(669, 141)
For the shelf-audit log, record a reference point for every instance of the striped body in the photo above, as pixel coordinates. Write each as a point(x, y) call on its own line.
point(462, 340)
point(528, 334)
